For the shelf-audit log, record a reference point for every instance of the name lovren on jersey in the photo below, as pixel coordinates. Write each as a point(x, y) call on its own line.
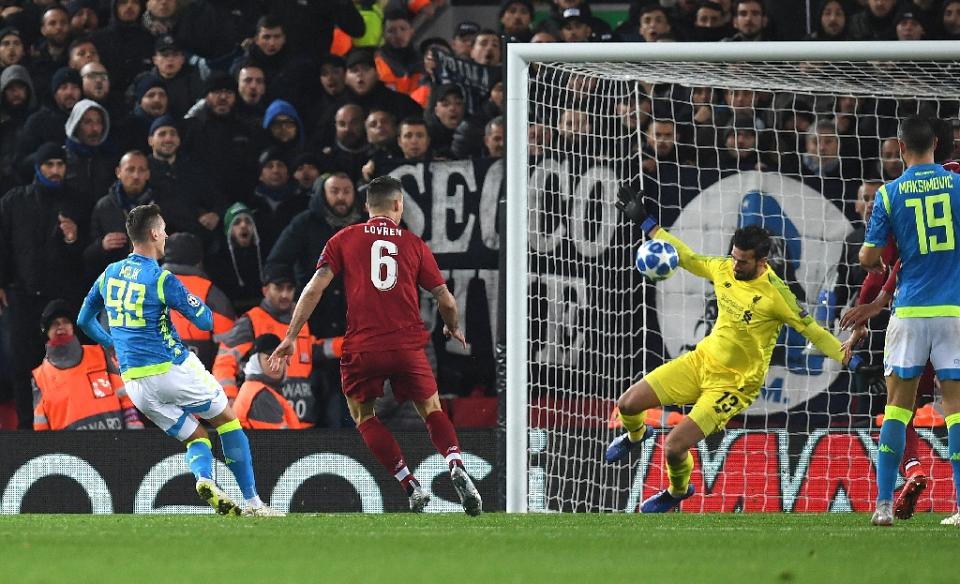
point(382, 230)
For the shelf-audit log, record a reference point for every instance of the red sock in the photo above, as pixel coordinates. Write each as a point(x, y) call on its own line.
point(910, 452)
point(444, 438)
point(381, 443)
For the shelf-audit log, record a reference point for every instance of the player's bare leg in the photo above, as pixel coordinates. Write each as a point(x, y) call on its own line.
point(632, 407)
point(901, 396)
point(444, 439)
point(676, 450)
point(384, 447)
point(951, 409)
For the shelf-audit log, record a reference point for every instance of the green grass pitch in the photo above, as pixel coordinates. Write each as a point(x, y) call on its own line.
point(663, 549)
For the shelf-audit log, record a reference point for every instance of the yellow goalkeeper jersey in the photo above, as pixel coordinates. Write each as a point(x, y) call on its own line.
point(751, 313)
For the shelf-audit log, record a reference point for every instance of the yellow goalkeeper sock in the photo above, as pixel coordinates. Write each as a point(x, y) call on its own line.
point(634, 425)
point(680, 476)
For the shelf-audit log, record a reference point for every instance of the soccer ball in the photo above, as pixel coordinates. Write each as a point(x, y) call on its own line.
point(657, 260)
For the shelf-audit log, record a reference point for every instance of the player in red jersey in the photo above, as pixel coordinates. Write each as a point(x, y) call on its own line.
point(382, 265)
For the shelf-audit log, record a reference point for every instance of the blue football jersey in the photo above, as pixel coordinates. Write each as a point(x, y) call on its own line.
point(917, 209)
point(137, 296)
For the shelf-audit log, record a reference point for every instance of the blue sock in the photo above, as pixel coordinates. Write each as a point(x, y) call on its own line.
point(200, 458)
point(236, 453)
point(953, 450)
point(893, 435)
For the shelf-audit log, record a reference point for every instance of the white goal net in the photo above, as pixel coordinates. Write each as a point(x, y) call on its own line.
point(797, 143)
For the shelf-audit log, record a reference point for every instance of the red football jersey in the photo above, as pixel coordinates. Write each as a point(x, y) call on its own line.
point(382, 265)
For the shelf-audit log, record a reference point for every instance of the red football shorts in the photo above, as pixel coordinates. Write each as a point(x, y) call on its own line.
point(362, 374)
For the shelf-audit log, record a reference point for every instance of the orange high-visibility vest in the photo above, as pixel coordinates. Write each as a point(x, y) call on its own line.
point(84, 397)
point(199, 341)
point(227, 363)
point(251, 390)
point(403, 83)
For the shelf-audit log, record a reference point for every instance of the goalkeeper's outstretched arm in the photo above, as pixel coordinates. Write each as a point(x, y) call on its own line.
point(631, 204)
point(790, 313)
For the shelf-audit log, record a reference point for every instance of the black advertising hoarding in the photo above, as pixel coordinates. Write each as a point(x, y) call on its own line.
point(312, 471)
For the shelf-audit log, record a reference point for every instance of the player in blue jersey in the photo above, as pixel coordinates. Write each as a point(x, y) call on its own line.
point(162, 377)
point(921, 209)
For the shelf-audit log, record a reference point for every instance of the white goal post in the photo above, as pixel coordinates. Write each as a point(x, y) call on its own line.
point(930, 71)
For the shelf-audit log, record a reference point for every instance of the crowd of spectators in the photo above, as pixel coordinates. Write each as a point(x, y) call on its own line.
point(254, 125)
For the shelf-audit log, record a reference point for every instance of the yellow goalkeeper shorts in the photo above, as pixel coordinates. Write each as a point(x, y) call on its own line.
point(716, 392)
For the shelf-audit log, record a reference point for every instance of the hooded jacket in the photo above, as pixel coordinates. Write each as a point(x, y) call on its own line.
point(300, 245)
point(238, 270)
point(292, 149)
point(19, 73)
point(73, 120)
point(91, 169)
point(12, 122)
point(818, 34)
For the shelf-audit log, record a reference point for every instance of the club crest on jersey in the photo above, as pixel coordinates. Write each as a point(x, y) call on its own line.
point(193, 301)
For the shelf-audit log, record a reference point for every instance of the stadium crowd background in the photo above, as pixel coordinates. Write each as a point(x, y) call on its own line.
point(255, 125)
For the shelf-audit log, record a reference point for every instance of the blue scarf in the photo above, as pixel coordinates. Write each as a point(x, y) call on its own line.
point(44, 180)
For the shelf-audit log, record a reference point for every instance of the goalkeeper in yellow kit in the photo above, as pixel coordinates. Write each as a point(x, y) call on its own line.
point(723, 375)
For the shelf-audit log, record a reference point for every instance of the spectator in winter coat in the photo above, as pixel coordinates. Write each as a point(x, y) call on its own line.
point(47, 123)
point(237, 265)
point(17, 102)
point(274, 199)
point(150, 102)
point(126, 48)
point(176, 175)
point(49, 53)
point(875, 23)
point(12, 51)
point(284, 129)
point(91, 162)
point(217, 139)
point(182, 81)
point(194, 25)
point(40, 259)
point(284, 71)
point(832, 23)
point(515, 18)
point(108, 234)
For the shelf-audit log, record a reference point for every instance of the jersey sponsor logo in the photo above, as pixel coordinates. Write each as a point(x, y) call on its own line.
point(808, 232)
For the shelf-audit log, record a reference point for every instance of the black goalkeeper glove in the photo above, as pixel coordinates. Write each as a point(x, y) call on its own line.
point(873, 379)
point(871, 374)
point(630, 204)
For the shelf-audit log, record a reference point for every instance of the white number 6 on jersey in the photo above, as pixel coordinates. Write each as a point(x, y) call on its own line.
point(379, 261)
